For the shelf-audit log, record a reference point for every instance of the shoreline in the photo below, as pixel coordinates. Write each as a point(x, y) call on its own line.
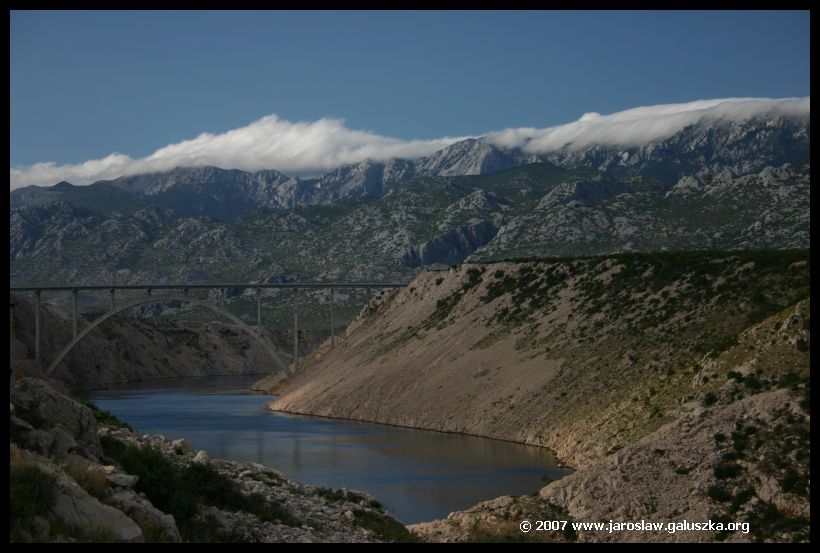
point(113, 385)
point(559, 462)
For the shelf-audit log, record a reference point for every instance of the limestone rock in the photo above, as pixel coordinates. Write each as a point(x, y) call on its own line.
point(77, 508)
point(182, 446)
point(66, 420)
point(201, 457)
point(144, 513)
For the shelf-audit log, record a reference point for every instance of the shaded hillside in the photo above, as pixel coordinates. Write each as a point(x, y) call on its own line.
point(677, 384)
point(127, 349)
point(584, 356)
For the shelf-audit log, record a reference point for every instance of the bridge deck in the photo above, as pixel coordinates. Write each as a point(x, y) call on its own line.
point(222, 287)
point(218, 285)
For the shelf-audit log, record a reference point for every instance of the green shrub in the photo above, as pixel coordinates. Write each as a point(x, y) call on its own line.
point(741, 498)
point(724, 470)
point(794, 482)
point(718, 493)
point(89, 478)
point(385, 527)
point(31, 491)
point(767, 521)
point(105, 418)
point(181, 490)
point(752, 382)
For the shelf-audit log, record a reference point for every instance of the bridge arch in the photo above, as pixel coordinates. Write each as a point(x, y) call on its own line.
point(281, 366)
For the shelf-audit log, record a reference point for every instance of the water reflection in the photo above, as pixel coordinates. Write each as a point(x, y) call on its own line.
point(420, 475)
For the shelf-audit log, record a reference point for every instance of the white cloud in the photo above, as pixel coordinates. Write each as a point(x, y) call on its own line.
point(638, 126)
point(311, 148)
point(303, 148)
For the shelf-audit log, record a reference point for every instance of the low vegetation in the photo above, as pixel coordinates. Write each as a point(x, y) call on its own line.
point(31, 494)
point(91, 479)
point(778, 449)
point(386, 528)
point(183, 490)
point(102, 417)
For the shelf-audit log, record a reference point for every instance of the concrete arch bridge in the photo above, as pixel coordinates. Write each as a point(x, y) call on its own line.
point(183, 293)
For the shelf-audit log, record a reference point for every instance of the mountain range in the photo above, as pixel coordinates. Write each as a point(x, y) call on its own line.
point(714, 185)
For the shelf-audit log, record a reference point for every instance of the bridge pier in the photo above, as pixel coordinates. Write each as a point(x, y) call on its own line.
point(74, 317)
point(259, 311)
point(12, 334)
point(187, 296)
point(332, 321)
point(37, 326)
point(295, 329)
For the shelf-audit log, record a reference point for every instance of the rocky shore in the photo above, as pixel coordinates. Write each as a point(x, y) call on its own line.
point(74, 480)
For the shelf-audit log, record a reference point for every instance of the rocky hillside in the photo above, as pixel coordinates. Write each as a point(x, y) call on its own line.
point(75, 480)
point(128, 349)
point(534, 210)
point(534, 339)
point(712, 185)
point(634, 365)
point(746, 462)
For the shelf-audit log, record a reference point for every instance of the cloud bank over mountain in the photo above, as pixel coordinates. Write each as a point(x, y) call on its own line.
point(311, 148)
point(639, 126)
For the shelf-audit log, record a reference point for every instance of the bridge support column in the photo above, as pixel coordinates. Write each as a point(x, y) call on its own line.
point(12, 333)
point(74, 317)
point(37, 326)
point(112, 300)
point(259, 311)
point(222, 298)
point(295, 329)
point(332, 321)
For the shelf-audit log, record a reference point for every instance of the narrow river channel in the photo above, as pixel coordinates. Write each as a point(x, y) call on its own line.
point(419, 475)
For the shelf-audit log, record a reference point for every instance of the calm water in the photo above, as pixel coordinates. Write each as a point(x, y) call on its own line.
point(419, 475)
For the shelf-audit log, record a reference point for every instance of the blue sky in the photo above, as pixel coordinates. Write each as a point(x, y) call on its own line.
point(87, 84)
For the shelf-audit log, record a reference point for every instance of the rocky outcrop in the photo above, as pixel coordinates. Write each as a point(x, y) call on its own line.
point(450, 248)
point(588, 192)
point(77, 508)
point(687, 470)
point(472, 157)
point(50, 423)
point(68, 494)
point(73, 512)
point(314, 514)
